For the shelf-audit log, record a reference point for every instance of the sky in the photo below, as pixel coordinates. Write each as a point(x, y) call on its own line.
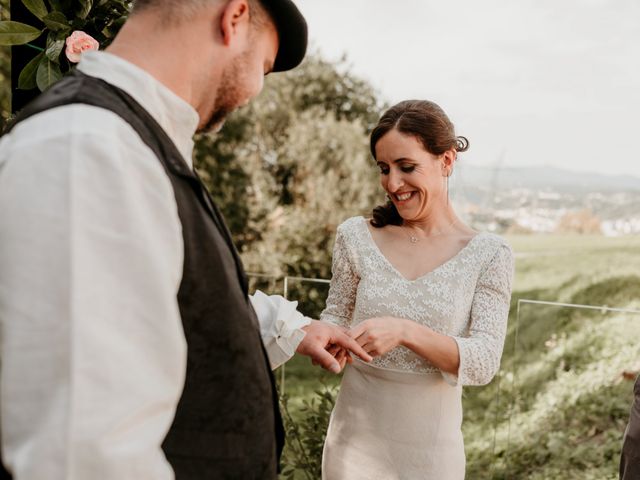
point(528, 82)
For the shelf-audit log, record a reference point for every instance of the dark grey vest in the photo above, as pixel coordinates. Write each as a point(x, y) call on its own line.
point(227, 423)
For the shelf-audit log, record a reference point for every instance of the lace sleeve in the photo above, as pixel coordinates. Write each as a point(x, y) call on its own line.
point(481, 350)
point(344, 284)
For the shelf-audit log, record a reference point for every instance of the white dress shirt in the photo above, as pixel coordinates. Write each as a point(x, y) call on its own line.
point(93, 354)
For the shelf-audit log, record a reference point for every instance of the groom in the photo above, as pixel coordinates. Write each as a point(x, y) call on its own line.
point(130, 348)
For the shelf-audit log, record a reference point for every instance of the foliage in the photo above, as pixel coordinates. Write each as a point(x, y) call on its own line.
point(5, 72)
point(306, 434)
point(290, 167)
point(263, 150)
point(563, 403)
point(55, 20)
point(583, 221)
point(559, 406)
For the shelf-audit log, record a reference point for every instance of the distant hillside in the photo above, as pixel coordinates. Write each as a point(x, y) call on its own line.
point(544, 178)
point(563, 400)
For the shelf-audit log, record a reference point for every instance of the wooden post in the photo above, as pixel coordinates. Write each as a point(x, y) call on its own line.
point(21, 55)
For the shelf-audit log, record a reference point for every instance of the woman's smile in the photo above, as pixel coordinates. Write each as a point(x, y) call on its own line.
point(402, 198)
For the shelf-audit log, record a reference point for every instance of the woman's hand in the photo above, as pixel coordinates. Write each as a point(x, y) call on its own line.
point(379, 335)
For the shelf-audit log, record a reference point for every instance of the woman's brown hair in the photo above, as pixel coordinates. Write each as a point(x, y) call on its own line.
point(428, 123)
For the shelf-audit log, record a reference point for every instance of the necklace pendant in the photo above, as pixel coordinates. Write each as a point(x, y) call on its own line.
point(413, 239)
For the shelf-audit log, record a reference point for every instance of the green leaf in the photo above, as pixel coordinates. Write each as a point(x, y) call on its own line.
point(113, 27)
point(85, 8)
point(16, 33)
point(48, 74)
point(56, 22)
point(27, 78)
point(37, 7)
point(54, 48)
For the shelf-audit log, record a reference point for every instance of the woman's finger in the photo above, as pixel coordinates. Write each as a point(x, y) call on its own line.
point(371, 349)
point(348, 343)
point(334, 349)
point(342, 358)
point(358, 330)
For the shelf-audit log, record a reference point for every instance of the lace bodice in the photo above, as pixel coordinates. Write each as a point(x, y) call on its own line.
point(467, 297)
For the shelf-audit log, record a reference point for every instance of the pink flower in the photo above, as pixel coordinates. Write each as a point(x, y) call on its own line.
point(79, 42)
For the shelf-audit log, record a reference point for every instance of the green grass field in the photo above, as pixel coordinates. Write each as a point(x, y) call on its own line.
point(559, 406)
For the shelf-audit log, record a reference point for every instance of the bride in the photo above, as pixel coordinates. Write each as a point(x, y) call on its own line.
point(424, 294)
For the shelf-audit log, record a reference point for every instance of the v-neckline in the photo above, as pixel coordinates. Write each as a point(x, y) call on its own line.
point(423, 276)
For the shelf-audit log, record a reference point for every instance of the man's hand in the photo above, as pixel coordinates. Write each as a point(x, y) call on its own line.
point(342, 356)
point(322, 336)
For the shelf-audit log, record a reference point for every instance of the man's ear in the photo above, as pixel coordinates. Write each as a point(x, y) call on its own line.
point(234, 20)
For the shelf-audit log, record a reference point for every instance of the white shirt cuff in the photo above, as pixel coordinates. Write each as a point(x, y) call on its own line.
point(280, 326)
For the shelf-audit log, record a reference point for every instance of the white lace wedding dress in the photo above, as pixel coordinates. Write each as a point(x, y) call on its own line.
point(399, 418)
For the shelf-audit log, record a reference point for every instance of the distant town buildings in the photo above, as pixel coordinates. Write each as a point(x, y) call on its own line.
point(528, 210)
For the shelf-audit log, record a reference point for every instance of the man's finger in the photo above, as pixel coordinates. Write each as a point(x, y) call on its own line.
point(325, 359)
point(345, 341)
point(341, 357)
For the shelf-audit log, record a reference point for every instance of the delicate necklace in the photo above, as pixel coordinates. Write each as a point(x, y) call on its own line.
point(415, 239)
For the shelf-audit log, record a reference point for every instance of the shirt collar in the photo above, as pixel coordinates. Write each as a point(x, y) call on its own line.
point(177, 117)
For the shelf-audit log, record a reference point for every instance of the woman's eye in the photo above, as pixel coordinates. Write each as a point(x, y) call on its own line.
point(408, 169)
point(384, 171)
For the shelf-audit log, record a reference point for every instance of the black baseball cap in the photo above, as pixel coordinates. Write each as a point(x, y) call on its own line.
point(292, 33)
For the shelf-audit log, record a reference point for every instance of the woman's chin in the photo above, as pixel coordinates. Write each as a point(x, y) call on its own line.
point(407, 213)
point(409, 208)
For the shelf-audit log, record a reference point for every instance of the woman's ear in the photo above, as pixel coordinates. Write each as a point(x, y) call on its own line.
point(234, 21)
point(448, 158)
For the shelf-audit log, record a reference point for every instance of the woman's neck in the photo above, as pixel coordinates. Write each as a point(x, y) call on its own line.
point(439, 222)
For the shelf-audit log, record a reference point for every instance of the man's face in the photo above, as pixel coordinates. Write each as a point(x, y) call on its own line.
point(243, 79)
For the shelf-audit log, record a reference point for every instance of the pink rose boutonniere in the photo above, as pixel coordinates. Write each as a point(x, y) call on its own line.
point(79, 42)
point(63, 30)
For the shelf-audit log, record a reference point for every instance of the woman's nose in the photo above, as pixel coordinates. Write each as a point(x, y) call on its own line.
point(394, 181)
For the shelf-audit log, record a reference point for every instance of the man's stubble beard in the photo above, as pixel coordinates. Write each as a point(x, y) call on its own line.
point(228, 97)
